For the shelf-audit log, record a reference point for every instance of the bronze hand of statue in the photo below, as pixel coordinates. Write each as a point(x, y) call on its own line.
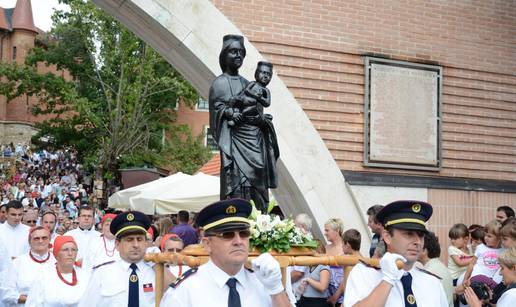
point(237, 118)
point(234, 102)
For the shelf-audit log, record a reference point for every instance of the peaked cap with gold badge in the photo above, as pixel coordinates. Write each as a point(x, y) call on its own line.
point(406, 214)
point(129, 222)
point(224, 215)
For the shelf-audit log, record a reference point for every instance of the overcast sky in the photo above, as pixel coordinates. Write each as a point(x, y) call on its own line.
point(41, 9)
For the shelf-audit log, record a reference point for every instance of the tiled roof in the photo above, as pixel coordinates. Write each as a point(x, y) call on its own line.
point(8, 14)
point(22, 16)
point(3, 21)
point(212, 167)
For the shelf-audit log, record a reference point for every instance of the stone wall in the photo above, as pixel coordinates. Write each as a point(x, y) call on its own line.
point(13, 132)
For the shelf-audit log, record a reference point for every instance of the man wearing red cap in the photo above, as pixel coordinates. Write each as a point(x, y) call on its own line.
point(127, 281)
point(403, 233)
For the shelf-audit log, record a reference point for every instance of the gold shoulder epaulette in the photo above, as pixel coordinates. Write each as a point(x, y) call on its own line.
point(182, 277)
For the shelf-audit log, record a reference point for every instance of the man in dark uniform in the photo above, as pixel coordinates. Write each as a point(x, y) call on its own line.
point(404, 231)
point(223, 281)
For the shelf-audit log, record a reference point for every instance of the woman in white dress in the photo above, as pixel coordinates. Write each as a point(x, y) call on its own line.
point(61, 285)
point(25, 268)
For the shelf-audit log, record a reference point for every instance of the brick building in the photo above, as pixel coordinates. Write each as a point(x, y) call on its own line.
point(323, 51)
point(319, 47)
point(18, 35)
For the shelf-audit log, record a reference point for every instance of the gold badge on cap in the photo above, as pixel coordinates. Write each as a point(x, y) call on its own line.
point(231, 210)
point(411, 299)
point(130, 217)
point(416, 208)
point(133, 278)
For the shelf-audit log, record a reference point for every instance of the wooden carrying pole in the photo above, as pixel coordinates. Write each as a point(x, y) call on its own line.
point(284, 261)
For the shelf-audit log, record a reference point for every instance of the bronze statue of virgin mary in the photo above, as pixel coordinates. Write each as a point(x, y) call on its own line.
point(248, 145)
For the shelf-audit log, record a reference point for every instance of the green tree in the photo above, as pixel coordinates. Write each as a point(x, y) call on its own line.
point(119, 100)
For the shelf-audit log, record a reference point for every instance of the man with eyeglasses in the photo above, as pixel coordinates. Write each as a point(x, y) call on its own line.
point(30, 218)
point(127, 281)
point(85, 234)
point(26, 267)
point(224, 281)
point(172, 243)
point(12, 233)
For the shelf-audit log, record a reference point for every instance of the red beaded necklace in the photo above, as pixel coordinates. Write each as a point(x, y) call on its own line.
point(37, 260)
point(74, 278)
point(109, 253)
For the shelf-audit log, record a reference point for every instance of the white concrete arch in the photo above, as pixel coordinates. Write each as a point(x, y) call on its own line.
point(189, 35)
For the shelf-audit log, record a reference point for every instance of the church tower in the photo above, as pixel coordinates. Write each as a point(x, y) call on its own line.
point(17, 37)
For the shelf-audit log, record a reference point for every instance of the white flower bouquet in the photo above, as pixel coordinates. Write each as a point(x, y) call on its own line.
point(269, 232)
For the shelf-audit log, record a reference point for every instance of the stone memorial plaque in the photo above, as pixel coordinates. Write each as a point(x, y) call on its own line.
point(403, 115)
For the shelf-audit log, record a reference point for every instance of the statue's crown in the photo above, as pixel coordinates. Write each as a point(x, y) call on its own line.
point(233, 37)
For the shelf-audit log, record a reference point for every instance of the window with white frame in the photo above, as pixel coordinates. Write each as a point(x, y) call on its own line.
point(202, 105)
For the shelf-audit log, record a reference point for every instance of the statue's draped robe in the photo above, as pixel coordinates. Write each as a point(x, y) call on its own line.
point(248, 150)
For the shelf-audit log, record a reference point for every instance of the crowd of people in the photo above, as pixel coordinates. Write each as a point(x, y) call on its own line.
point(59, 247)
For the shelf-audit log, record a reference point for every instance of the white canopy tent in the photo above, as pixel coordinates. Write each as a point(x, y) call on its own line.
point(170, 194)
point(120, 199)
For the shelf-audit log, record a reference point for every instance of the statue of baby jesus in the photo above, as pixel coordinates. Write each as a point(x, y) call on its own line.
point(256, 95)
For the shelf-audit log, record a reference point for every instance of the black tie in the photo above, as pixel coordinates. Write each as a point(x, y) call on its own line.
point(234, 298)
point(133, 288)
point(410, 300)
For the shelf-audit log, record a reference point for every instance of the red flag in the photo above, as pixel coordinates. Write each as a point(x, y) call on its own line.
point(147, 288)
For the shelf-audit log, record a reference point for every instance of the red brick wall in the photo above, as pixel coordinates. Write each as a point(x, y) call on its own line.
point(195, 119)
point(318, 47)
point(467, 207)
point(19, 109)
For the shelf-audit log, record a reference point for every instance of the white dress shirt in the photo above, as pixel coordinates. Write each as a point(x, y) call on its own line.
point(23, 274)
point(207, 287)
point(101, 250)
point(109, 285)
point(438, 268)
point(5, 267)
point(50, 291)
point(178, 270)
point(84, 239)
point(15, 239)
point(426, 288)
